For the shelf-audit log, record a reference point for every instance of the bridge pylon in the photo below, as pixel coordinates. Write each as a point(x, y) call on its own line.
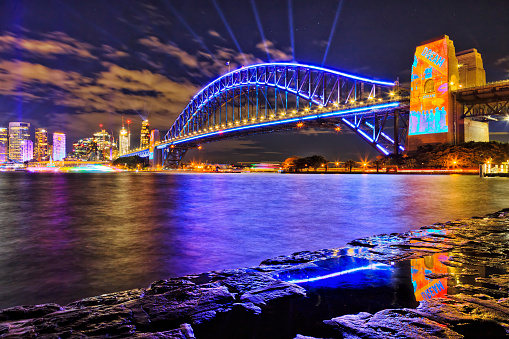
point(435, 78)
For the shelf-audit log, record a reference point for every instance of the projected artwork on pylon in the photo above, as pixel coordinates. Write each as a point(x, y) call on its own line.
point(425, 287)
point(429, 95)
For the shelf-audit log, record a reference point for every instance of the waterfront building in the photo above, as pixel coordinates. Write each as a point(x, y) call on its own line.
point(145, 134)
point(3, 144)
point(41, 145)
point(106, 147)
point(85, 149)
point(102, 140)
point(58, 146)
point(18, 131)
point(124, 141)
point(27, 150)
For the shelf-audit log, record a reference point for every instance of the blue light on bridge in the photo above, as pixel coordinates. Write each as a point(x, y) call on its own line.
point(291, 64)
point(288, 121)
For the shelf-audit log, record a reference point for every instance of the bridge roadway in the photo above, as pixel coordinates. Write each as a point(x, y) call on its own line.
point(325, 117)
point(483, 102)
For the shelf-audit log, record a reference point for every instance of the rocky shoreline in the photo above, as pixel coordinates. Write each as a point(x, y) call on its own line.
point(446, 280)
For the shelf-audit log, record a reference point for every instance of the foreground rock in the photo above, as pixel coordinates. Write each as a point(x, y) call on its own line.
point(468, 297)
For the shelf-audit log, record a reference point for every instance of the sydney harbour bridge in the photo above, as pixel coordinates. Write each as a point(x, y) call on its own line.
point(448, 101)
point(273, 97)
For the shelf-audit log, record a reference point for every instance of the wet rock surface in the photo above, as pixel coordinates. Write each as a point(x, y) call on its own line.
point(446, 280)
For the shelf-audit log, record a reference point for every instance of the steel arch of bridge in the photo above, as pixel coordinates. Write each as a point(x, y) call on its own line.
point(257, 94)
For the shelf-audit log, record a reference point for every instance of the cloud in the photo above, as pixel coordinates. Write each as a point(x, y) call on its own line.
point(171, 49)
point(321, 43)
point(501, 61)
point(115, 90)
point(216, 35)
point(202, 64)
point(18, 77)
point(113, 53)
point(315, 131)
point(56, 43)
point(233, 145)
point(275, 54)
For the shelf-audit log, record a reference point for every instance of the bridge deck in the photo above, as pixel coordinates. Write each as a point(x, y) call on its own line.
point(323, 116)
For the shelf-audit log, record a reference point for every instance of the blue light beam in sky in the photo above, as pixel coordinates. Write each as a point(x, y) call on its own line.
point(290, 20)
point(195, 36)
point(229, 30)
point(338, 11)
point(260, 28)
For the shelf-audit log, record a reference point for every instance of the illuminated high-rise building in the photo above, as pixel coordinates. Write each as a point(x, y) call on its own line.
point(27, 150)
point(41, 145)
point(145, 134)
point(102, 139)
point(106, 147)
point(124, 141)
point(58, 146)
point(3, 144)
point(85, 149)
point(18, 131)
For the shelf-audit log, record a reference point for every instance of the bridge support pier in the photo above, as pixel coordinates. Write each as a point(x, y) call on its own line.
point(156, 158)
point(172, 156)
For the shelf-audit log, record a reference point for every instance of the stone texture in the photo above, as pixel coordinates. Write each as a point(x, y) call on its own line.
point(457, 317)
point(251, 303)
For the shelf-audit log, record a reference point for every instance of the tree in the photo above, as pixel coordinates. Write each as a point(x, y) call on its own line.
point(131, 162)
point(290, 164)
point(300, 163)
point(316, 161)
point(349, 164)
point(378, 163)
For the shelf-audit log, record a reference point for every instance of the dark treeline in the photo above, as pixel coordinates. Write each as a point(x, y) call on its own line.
point(464, 155)
point(132, 162)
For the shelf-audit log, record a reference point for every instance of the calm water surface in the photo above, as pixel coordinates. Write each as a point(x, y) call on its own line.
point(69, 236)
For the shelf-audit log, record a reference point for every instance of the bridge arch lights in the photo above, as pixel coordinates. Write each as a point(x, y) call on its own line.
point(281, 96)
point(260, 91)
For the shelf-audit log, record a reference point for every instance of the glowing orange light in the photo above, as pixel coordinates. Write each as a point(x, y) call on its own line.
point(172, 146)
point(338, 129)
point(300, 124)
point(199, 147)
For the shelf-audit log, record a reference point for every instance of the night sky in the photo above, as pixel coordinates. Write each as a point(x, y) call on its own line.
point(72, 65)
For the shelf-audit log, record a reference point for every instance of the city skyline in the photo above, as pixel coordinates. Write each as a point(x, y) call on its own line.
point(146, 60)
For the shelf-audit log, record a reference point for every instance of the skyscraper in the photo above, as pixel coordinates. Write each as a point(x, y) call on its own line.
point(18, 131)
point(41, 144)
point(27, 150)
point(124, 141)
point(58, 146)
point(3, 144)
point(145, 134)
point(102, 139)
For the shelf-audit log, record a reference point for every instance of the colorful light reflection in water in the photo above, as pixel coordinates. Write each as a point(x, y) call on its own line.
point(424, 287)
point(335, 272)
point(75, 169)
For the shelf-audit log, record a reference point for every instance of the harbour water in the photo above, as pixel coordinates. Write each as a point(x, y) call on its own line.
point(69, 236)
